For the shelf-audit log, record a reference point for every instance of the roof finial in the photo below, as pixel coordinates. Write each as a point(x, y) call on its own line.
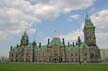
point(88, 22)
point(26, 27)
point(55, 32)
point(25, 31)
point(87, 15)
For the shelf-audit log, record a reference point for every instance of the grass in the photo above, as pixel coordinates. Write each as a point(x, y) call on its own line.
point(52, 67)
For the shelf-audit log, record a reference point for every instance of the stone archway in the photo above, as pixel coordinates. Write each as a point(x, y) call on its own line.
point(57, 59)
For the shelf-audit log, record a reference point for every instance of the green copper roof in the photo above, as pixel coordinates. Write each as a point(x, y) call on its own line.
point(25, 36)
point(42, 48)
point(56, 41)
point(83, 45)
point(88, 23)
point(76, 47)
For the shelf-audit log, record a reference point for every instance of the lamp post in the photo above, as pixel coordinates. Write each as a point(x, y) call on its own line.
point(64, 49)
point(79, 43)
point(33, 56)
point(79, 55)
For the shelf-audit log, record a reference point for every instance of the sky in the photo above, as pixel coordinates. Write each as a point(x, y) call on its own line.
point(45, 19)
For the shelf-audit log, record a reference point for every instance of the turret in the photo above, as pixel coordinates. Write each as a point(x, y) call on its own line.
point(63, 41)
point(39, 45)
point(11, 47)
point(34, 43)
point(24, 40)
point(33, 56)
point(17, 45)
point(76, 43)
point(48, 41)
point(68, 44)
point(79, 40)
point(73, 44)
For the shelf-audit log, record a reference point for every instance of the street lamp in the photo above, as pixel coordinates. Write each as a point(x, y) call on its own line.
point(79, 43)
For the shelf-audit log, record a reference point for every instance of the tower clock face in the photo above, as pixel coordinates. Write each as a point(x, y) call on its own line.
point(89, 36)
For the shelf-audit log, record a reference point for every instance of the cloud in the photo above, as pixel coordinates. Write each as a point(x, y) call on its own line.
point(100, 20)
point(45, 11)
point(65, 5)
point(73, 36)
point(102, 36)
point(53, 8)
point(14, 14)
point(76, 16)
point(102, 40)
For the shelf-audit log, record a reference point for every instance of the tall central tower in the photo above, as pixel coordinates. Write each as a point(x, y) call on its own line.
point(89, 32)
point(90, 40)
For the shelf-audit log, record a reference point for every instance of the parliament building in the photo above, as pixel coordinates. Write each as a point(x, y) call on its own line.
point(56, 50)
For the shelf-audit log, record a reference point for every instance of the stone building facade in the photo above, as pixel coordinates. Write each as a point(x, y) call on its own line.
point(56, 51)
point(104, 55)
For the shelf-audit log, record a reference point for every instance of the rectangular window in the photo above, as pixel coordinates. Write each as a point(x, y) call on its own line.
point(71, 54)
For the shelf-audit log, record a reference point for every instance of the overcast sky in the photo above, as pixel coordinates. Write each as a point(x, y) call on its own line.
point(42, 18)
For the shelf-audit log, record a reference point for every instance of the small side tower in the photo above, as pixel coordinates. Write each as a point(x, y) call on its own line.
point(24, 40)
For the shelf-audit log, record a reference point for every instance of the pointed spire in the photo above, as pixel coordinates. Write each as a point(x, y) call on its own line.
point(25, 32)
point(55, 33)
point(25, 29)
point(87, 16)
point(88, 22)
point(24, 39)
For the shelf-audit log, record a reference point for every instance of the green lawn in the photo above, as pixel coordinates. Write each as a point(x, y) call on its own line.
point(52, 67)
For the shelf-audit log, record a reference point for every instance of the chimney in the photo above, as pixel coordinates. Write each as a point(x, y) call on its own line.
point(76, 43)
point(11, 47)
point(63, 41)
point(73, 44)
point(79, 40)
point(39, 45)
point(48, 41)
point(34, 43)
point(17, 45)
point(68, 44)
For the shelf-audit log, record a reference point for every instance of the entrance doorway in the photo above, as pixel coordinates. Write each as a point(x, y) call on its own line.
point(57, 59)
